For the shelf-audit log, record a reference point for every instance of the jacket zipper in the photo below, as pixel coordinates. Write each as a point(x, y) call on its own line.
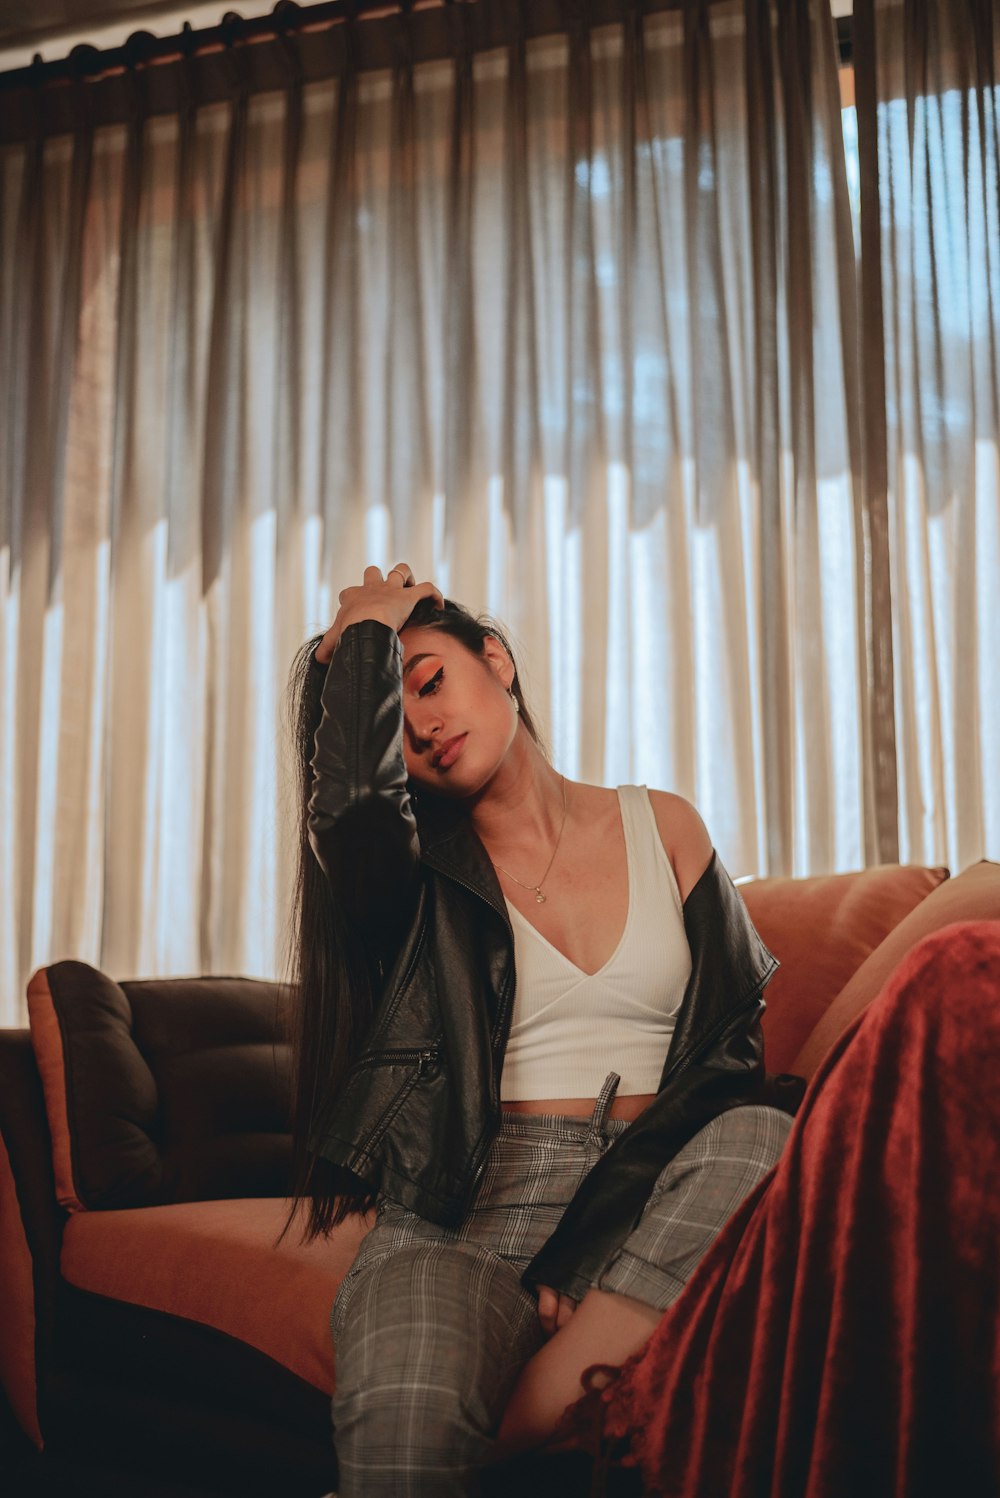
point(424, 1057)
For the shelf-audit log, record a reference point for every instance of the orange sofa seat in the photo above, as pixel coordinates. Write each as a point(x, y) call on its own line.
point(276, 1298)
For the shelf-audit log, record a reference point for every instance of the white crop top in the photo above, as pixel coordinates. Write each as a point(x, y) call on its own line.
point(570, 1028)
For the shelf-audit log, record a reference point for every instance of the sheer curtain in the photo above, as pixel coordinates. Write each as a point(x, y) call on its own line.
point(936, 124)
point(570, 325)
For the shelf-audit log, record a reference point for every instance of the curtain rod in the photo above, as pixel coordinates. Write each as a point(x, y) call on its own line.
point(150, 75)
point(288, 18)
point(86, 61)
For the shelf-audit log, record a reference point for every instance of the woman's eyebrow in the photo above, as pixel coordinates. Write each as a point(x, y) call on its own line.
point(415, 661)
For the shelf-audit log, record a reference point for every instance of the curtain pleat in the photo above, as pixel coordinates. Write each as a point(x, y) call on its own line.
point(29, 529)
point(459, 419)
point(570, 325)
point(713, 217)
point(765, 190)
point(518, 291)
point(131, 743)
point(661, 661)
point(45, 650)
point(342, 473)
point(802, 156)
point(586, 374)
point(928, 125)
point(188, 222)
point(406, 451)
point(66, 774)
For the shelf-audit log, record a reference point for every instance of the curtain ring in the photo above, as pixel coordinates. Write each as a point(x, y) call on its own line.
point(188, 72)
point(36, 83)
point(137, 51)
point(285, 16)
point(232, 27)
point(84, 61)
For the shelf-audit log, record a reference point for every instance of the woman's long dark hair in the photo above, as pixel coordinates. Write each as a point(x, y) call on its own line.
point(333, 984)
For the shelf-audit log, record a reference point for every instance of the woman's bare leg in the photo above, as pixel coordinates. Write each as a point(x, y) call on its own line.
point(605, 1328)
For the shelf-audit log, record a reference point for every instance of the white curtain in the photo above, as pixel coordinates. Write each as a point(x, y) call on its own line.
point(570, 326)
point(938, 139)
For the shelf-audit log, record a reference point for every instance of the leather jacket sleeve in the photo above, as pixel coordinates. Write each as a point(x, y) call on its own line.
point(715, 1062)
point(361, 823)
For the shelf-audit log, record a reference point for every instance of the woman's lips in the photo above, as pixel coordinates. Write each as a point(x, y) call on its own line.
point(450, 752)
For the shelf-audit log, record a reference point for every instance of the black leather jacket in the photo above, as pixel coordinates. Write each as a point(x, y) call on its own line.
point(421, 1104)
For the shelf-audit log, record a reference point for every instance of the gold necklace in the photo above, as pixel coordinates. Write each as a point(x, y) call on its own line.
point(539, 897)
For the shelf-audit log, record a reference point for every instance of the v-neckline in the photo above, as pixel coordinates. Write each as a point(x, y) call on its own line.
point(628, 910)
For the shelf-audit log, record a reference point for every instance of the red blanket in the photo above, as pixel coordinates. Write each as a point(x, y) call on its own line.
point(842, 1336)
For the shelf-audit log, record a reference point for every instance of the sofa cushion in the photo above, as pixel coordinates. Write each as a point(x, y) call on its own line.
point(217, 1263)
point(168, 1089)
point(973, 895)
point(821, 929)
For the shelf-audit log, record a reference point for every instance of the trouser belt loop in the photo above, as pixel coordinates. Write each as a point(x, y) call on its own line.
point(602, 1107)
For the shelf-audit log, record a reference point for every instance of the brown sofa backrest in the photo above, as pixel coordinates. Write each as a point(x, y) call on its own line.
point(973, 895)
point(161, 1090)
point(821, 929)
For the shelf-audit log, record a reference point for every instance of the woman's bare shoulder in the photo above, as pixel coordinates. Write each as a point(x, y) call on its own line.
point(684, 836)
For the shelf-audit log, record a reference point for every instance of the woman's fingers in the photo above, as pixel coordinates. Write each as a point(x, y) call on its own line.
point(399, 576)
point(554, 1309)
point(548, 1306)
point(426, 590)
point(567, 1305)
point(391, 599)
point(391, 592)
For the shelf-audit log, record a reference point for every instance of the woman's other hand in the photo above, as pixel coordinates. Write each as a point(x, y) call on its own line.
point(554, 1309)
point(390, 599)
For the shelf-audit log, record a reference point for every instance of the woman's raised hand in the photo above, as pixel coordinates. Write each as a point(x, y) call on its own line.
point(390, 599)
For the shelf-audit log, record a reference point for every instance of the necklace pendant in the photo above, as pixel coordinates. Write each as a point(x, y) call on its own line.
point(539, 897)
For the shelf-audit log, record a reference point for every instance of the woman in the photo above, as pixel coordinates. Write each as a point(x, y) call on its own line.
point(549, 1160)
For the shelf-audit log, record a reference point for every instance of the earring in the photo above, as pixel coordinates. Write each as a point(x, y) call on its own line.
point(510, 694)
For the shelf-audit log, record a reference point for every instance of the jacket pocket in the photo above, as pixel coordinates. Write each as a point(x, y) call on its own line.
point(417, 1062)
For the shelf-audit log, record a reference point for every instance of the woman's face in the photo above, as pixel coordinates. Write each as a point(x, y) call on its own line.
point(459, 720)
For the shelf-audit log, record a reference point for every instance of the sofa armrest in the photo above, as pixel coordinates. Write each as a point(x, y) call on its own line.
point(161, 1090)
point(31, 1227)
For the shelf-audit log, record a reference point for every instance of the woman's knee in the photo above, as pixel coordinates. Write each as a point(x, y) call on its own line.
point(429, 1342)
point(728, 1156)
point(754, 1132)
point(695, 1195)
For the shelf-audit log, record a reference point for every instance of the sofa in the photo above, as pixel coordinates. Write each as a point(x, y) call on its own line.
point(157, 1338)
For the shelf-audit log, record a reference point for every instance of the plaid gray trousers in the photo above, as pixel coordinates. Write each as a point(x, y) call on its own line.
point(432, 1325)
